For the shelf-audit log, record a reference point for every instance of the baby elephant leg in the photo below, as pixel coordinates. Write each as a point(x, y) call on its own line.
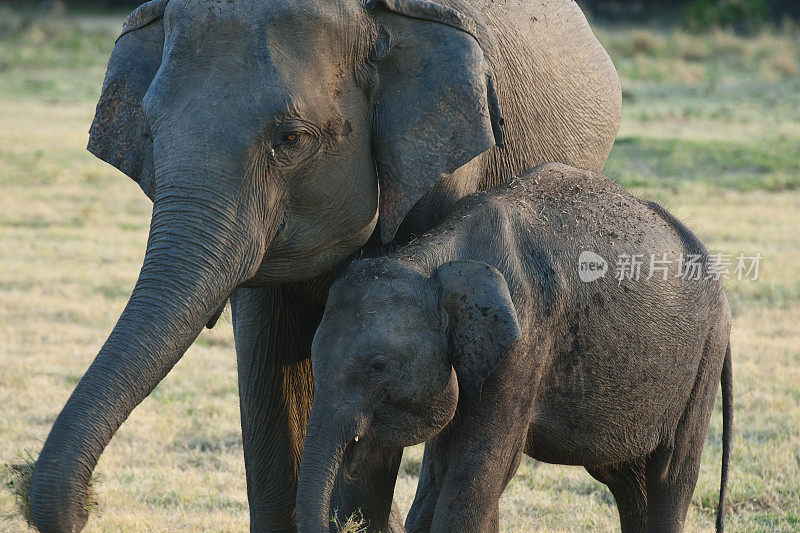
point(475, 479)
point(627, 482)
point(432, 474)
point(673, 469)
point(670, 483)
point(486, 448)
point(431, 477)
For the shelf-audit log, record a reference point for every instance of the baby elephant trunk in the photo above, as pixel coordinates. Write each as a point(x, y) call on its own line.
point(323, 455)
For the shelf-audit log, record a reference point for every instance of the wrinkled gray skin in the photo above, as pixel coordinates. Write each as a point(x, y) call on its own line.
point(278, 138)
point(481, 338)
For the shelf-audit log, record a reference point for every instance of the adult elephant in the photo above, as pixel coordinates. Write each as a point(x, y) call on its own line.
point(278, 138)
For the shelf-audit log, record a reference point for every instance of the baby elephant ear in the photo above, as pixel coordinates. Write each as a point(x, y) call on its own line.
point(482, 321)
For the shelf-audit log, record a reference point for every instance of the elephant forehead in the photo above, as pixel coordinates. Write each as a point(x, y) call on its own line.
point(283, 53)
point(379, 301)
point(365, 334)
point(381, 309)
point(249, 18)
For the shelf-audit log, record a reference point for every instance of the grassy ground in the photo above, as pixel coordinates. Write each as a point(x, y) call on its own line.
point(711, 130)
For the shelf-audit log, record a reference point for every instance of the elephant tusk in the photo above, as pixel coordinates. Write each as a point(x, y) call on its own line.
point(356, 439)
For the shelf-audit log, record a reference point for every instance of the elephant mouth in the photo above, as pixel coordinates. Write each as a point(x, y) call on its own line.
point(358, 236)
point(353, 447)
point(355, 237)
point(306, 262)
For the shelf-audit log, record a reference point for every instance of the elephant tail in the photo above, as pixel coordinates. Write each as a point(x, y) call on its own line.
point(727, 430)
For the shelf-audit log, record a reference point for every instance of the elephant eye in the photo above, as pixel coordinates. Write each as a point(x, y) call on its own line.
point(376, 367)
point(289, 139)
point(295, 147)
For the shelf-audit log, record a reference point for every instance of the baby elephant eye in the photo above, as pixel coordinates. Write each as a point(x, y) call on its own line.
point(377, 366)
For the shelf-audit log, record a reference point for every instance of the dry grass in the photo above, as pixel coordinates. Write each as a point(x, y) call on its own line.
point(718, 152)
point(643, 54)
point(354, 524)
point(17, 479)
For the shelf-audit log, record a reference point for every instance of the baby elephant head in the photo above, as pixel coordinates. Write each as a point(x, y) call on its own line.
point(392, 351)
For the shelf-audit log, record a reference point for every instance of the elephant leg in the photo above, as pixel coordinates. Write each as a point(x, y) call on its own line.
point(669, 492)
point(431, 476)
point(370, 495)
point(494, 523)
point(476, 476)
point(627, 483)
point(482, 458)
point(674, 467)
point(273, 327)
point(672, 474)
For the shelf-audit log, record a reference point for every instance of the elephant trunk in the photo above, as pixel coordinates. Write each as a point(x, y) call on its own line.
point(323, 454)
point(196, 254)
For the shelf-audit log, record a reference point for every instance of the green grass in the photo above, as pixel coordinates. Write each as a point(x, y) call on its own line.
point(711, 129)
point(768, 164)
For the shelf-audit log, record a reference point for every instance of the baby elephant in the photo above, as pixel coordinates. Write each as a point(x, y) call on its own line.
point(554, 316)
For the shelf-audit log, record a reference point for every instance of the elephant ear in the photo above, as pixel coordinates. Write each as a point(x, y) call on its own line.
point(435, 104)
point(119, 134)
point(482, 320)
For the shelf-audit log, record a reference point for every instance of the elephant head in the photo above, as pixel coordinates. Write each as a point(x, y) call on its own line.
point(272, 138)
point(392, 353)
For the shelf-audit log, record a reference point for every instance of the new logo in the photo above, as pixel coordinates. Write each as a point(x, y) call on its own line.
point(591, 266)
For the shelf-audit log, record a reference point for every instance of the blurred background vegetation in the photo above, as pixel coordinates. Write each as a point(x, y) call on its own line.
point(711, 130)
point(695, 14)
